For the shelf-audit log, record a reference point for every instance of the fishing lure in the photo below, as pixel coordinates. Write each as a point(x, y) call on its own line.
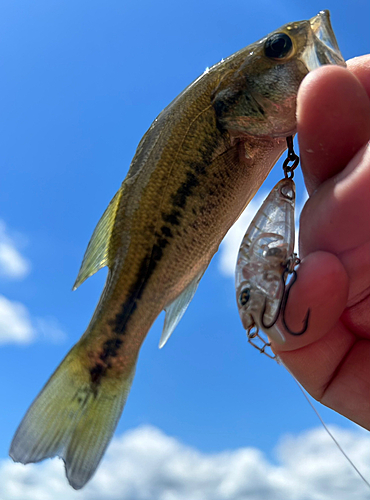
point(266, 258)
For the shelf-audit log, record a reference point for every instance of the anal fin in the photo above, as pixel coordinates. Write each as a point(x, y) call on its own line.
point(176, 309)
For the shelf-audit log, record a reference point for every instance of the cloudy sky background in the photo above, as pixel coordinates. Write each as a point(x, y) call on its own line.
point(207, 417)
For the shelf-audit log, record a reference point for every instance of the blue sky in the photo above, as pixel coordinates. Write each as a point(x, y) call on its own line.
point(80, 84)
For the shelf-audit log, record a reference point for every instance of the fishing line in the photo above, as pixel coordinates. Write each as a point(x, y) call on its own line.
point(262, 350)
point(279, 361)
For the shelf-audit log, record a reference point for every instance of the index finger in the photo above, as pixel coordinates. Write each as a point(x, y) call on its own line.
point(360, 67)
point(333, 119)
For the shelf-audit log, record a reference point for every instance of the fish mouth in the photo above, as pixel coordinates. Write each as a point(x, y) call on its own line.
point(323, 48)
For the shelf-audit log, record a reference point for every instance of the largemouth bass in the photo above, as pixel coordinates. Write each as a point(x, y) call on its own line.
point(194, 172)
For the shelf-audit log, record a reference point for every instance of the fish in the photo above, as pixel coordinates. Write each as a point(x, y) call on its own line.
point(193, 173)
point(266, 255)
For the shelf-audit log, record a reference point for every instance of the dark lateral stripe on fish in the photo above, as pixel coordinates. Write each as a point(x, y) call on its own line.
point(172, 218)
point(185, 190)
point(118, 324)
point(166, 231)
point(110, 350)
point(149, 263)
point(195, 170)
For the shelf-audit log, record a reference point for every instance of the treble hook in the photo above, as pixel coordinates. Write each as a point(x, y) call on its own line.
point(283, 304)
point(283, 308)
point(267, 326)
point(253, 333)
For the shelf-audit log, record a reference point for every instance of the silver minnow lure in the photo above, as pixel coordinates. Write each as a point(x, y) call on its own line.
point(265, 255)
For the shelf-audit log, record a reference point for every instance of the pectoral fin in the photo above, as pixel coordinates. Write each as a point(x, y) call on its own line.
point(96, 255)
point(177, 308)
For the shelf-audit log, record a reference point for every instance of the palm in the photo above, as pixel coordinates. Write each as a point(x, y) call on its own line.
point(332, 359)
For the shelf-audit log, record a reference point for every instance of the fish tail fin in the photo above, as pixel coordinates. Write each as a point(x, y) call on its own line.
point(72, 418)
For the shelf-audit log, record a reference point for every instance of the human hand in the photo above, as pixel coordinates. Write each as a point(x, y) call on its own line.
point(332, 358)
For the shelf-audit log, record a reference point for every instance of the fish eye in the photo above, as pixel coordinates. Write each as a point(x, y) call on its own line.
point(244, 296)
point(278, 46)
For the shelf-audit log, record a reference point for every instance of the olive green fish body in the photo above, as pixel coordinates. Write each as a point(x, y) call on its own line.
point(187, 205)
point(194, 171)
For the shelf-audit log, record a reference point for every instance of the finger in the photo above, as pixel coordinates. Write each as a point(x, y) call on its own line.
point(322, 288)
point(315, 364)
point(356, 262)
point(360, 67)
point(335, 218)
point(313, 358)
point(349, 390)
point(333, 120)
point(336, 372)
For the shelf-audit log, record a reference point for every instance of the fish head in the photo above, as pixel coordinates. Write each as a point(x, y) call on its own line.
point(257, 92)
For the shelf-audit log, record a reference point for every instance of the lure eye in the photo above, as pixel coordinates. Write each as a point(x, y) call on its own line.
point(278, 46)
point(244, 296)
point(274, 252)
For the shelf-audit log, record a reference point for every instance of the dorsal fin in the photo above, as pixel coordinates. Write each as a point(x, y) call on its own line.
point(96, 255)
point(177, 308)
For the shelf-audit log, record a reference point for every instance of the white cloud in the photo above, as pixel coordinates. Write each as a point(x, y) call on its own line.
point(12, 263)
point(145, 464)
point(230, 245)
point(49, 329)
point(15, 322)
point(17, 325)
